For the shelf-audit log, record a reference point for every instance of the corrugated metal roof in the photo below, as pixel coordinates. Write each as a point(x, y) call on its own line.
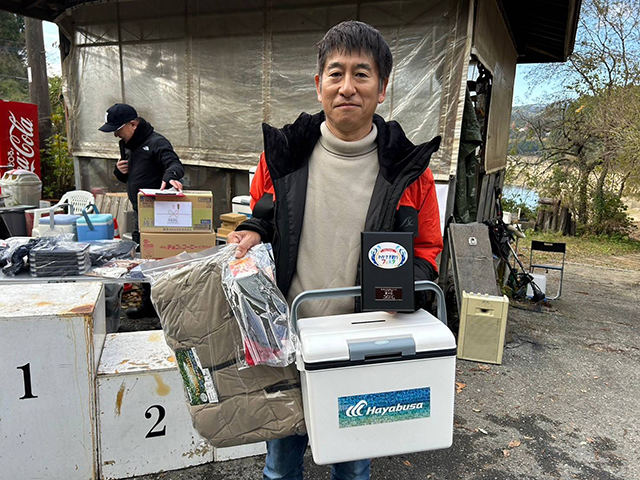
point(41, 9)
point(544, 30)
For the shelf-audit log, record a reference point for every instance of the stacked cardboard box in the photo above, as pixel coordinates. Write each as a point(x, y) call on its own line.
point(230, 221)
point(170, 225)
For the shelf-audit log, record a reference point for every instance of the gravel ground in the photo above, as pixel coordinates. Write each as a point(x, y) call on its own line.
point(563, 404)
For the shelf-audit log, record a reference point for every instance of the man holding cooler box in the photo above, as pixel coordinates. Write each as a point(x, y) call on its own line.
point(328, 177)
point(147, 160)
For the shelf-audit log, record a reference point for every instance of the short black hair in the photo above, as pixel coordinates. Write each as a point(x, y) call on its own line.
point(353, 36)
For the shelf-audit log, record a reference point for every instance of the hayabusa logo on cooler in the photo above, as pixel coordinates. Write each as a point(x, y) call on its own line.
point(388, 255)
point(357, 409)
point(384, 407)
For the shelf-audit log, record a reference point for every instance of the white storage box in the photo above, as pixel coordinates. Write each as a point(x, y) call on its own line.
point(144, 423)
point(541, 282)
point(21, 187)
point(241, 204)
point(483, 325)
point(376, 384)
point(52, 336)
point(62, 224)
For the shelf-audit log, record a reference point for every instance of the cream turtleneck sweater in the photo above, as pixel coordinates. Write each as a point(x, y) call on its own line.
point(341, 179)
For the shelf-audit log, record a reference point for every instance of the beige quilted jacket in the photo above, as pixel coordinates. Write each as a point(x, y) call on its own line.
point(255, 403)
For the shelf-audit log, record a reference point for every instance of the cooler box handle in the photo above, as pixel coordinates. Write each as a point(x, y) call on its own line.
point(52, 221)
point(85, 213)
point(421, 285)
point(383, 348)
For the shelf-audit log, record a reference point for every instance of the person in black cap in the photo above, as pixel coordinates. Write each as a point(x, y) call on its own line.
point(147, 160)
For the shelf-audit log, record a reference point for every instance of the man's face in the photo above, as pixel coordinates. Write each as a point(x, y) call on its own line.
point(125, 132)
point(349, 91)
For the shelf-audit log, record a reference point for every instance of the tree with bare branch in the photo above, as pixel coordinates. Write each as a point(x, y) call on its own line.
point(592, 135)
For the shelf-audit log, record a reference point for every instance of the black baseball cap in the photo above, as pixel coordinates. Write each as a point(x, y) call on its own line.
point(117, 115)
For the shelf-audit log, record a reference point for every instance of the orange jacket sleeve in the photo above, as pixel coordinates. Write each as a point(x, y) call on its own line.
point(421, 195)
point(261, 183)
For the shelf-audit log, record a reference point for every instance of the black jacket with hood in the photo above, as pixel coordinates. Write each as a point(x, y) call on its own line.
point(287, 152)
point(151, 160)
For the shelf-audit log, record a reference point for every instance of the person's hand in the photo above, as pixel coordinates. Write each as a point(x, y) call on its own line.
point(123, 166)
point(174, 183)
point(245, 240)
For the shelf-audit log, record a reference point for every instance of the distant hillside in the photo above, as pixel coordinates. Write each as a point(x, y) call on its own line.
point(521, 138)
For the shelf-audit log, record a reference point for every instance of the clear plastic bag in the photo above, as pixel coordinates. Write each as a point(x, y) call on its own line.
point(103, 252)
point(115, 268)
point(259, 307)
point(230, 402)
point(250, 287)
point(14, 253)
point(59, 257)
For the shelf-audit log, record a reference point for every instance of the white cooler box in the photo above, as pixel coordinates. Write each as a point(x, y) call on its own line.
point(376, 384)
point(241, 204)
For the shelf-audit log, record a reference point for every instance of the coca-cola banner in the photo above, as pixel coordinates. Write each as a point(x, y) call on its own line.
point(19, 137)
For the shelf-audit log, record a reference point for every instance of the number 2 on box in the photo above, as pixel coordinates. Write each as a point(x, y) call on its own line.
point(161, 414)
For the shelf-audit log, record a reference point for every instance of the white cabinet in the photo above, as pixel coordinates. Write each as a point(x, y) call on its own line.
point(144, 423)
point(51, 336)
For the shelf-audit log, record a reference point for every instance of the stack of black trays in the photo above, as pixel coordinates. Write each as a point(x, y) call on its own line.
point(62, 260)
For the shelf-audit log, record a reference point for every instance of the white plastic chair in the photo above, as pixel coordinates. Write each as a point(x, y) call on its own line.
point(78, 198)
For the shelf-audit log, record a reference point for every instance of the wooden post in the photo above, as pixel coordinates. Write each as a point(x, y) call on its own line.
point(539, 220)
point(553, 222)
point(38, 81)
point(562, 224)
point(547, 221)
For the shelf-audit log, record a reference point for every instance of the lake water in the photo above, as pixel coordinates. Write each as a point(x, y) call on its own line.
point(521, 194)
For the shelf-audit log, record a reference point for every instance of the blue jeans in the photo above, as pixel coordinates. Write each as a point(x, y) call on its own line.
point(285, 458)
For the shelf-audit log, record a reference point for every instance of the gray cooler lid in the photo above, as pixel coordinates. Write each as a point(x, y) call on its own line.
point(60, 219)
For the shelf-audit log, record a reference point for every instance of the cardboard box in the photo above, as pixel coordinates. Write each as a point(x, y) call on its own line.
point(171, 214)
point(230, 221)
point(163, 245)
point(233, 218)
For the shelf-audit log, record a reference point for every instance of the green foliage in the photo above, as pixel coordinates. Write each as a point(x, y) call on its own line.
point(55, 161)
point(584, 246)
point(590, 139)
point(524, 147)
point(515, 202)
point(13, 58)
point(57, 167)
point(613, 219)
point(522, 138)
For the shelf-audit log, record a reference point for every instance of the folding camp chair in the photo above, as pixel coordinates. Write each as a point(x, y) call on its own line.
point(552, 248)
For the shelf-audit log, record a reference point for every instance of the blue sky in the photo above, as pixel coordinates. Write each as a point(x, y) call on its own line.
point(50, 31)
point(539, 93)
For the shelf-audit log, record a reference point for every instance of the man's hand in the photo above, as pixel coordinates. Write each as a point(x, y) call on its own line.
point(123, 166)
point(174, 183)
point(245, 240)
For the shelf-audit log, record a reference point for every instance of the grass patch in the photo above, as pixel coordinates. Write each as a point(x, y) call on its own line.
point(580, 248)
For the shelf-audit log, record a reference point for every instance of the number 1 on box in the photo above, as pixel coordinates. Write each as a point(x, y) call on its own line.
point(26, 374)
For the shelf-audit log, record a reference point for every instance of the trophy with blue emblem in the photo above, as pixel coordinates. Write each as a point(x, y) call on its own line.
point(387, 271)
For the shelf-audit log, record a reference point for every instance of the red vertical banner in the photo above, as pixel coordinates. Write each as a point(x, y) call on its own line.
point(19, 140)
